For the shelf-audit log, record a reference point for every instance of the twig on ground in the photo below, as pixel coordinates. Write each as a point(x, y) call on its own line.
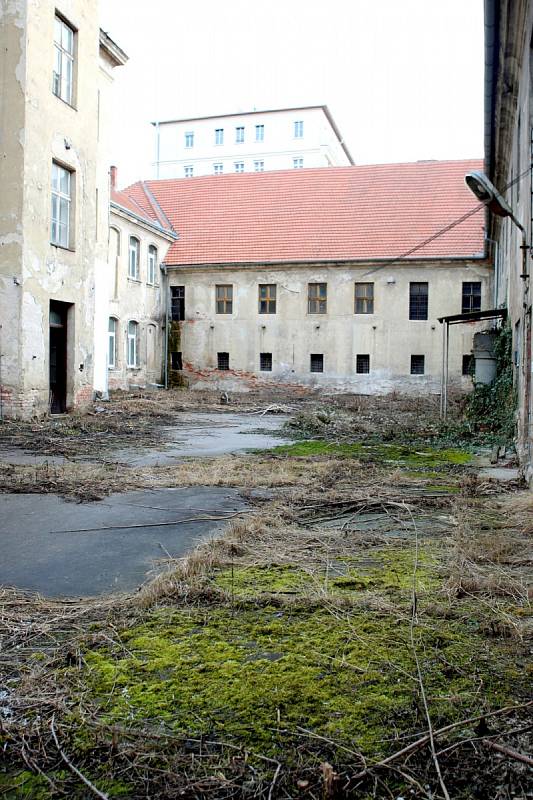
point(74, 769)
point(508, 751)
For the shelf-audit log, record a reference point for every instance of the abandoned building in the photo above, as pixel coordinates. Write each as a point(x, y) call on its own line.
point(330, 277)
point(257, 141)
point(55, 74)
point(508, 165)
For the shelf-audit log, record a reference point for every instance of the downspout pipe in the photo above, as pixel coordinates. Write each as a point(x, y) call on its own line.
point(163, 268)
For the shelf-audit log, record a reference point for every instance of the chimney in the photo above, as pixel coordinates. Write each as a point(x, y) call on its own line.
point(113, 176)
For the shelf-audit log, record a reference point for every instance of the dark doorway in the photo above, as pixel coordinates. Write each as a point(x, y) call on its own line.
point(58, 357)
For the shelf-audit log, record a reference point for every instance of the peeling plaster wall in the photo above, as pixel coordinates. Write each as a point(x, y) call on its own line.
point(291, 335)
point(127, 299)
point(38, 129)
point(12, 137)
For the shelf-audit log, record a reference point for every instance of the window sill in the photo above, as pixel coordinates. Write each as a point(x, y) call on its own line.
point(66, 102)
point(153, 285)
point(63, 247)
point(133, 369)
point(134, 280)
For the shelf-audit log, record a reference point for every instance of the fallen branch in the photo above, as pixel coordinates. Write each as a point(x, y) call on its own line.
point(508, 751)
point(74, 769)
point(154, 524)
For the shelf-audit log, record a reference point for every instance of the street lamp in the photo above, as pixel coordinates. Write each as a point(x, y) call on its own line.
point(486, 192)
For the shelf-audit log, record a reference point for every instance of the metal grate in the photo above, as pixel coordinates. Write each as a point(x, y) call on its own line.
point(362, 363)
point(417, 365)
point(317, 362)
point(418, 301)
point(223, 360)
point(265, 362)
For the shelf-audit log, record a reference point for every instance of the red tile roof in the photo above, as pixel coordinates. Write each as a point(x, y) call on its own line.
point(329, 214)
point(142, 205)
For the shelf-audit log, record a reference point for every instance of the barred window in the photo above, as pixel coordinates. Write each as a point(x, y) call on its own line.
point(317, 298)
point(317, 362)
point(471, 299)
point(267, 298)
point(265, 362)
point(362, 365)
point(224, 295)
point(223, 361)
point(417, 365)
point(177, 303)
point(364, 298)
point(418, 301)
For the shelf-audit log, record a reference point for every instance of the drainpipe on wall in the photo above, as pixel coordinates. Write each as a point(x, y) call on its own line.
point(163, 268)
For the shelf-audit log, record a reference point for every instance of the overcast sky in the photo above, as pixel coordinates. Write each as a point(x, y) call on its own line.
point(403, 79)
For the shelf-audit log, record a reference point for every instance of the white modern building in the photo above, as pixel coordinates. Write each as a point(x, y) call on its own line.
point(257, 141)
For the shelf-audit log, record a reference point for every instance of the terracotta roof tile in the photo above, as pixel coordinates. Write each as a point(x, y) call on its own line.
point(328, 214)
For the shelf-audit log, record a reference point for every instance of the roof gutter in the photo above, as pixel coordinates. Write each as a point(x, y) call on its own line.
point(171, 235)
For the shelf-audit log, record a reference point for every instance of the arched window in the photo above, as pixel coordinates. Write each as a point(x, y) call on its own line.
point(134, 253)
point(112, 343)
point(133, 340)
point(152, 264)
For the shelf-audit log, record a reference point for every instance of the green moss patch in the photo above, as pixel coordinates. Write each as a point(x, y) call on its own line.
point(388, 453)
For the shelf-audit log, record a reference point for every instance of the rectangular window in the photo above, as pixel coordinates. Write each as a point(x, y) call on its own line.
point(218, 169)
point(112, 343)
point(417, 365)
point(259, 166)
point(362, 364)
point(134, 258)
point(189, 139)
point(176, 361)
point(259, 133)
point(317, 362)
point(61, 205)
point(267, 298)
point(132, 343)
point(364, 298)
point(152, 265)
point(63, 73)
point(177, 303)
point(239, 135)
point(298, 129)
point(188, 171)
point(469, 364)
point(265, 362)
point(224, 295)
point(239, 166)
point(418, 301)
point(297, 163)
point(471, 298)
point(219, 135)
point(223, 361)
point(317, 298)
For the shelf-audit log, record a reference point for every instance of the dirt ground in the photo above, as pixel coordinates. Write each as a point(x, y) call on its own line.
point(364, 630)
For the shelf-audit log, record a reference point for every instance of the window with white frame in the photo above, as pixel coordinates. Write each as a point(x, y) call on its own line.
point(152, 264)
point(218, 169)
point(188, 170)
point(259, 166)
point(239, 166)
point(239, 134)
point(259, 133)
point(134, 253)
point(219, 135)
point(297, 163)
point(133, 339)
point(112, 343)
point(61, 205)
point(189, 139)
point(298, 129)
point(63, 73)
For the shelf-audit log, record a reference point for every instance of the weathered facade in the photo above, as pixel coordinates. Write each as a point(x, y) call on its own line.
point(508, 160)
point(54, 73)
point(130, 318)
point(334, 278)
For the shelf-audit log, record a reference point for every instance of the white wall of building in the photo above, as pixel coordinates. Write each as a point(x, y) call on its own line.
point(318, 146)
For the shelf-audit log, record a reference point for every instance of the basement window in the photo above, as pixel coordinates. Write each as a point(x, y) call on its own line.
point(417, 365)
point(317, 362)
point(362, 364)
point(265, 362)
point(223, 361)
point(176, 361)
point(469, 364)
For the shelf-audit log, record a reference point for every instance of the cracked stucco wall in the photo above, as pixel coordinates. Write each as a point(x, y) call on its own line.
point(37, 128)
point(291, 335)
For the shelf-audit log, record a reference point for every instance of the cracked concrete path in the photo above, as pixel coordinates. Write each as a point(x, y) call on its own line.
point(45, 544)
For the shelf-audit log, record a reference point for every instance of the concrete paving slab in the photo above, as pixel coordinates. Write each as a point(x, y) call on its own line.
point(45, 544)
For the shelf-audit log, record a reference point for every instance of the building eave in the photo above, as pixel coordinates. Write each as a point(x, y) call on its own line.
point(143, 223)
point(115, 53)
